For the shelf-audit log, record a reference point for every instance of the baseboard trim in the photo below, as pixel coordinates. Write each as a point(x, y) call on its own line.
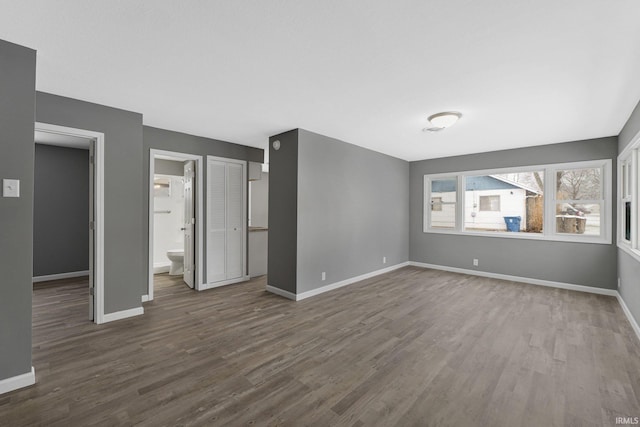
point(336, 285)
point(19, 381)
point(332, 286)
point(627, 312)
point(161, 269)
point(281, 292)
point(118, 315)
point(531, 281)
point(145, 298)
point(206, 286)
point(59, 276)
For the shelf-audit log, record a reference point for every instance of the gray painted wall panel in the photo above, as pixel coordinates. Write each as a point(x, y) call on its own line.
point(162, 139)
point(629, 273)
point(283, 211)
point(17, 109)
point(352, 211)
point(628, 267)
point(61, 210)
point(575, 263)
point(124, 194)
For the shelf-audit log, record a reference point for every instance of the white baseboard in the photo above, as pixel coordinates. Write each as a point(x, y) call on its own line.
point(281, 292)
point(332, 286)
point(59, 276)
point(539, 282)
point(206, 286)
point(627, 312)
point(111, 317)
point(145, 298)
point(19, 381)
point(161, 269)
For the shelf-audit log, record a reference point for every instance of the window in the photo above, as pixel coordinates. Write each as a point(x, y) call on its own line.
point(443, 196)
point(579, 201)
point(436, 204)
point(489, 203)
point(512, 203)
point(628, 196)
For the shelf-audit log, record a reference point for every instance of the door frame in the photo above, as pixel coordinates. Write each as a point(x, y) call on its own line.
point(98, 200)
point(245, 275)
point(199, 229)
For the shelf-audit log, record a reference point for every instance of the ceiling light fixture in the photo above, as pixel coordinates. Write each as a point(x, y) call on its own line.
point(442, 121)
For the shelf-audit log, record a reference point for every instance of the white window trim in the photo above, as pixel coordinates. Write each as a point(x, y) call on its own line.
point(549, 231)
point(630, 154)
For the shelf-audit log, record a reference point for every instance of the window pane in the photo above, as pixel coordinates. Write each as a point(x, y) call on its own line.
point(443, 206)
point(574, 218)
point(505, 202)
point(579, 184)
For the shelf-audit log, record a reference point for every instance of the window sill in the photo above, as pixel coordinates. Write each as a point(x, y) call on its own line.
point(634, 253)
point(527, 236)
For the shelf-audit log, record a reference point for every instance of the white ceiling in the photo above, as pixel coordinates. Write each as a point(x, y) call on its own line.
point(367, 72)
point(59, 140)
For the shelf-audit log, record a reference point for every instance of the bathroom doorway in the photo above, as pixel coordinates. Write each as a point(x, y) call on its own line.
point(68, 214)
point(175, 229)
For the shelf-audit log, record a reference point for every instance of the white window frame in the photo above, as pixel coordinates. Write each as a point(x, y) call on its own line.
point(629, 191)
point(549, 228)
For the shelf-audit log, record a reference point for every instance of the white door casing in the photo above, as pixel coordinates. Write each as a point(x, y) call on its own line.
point(189, 220)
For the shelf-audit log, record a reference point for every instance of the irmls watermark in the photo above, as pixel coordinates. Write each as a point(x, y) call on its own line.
point(628, 421)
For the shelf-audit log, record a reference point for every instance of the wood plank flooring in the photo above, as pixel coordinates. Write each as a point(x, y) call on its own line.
point(412, 347)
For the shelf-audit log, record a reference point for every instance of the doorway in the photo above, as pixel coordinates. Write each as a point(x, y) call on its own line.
point(93, 142)
point(175, 229)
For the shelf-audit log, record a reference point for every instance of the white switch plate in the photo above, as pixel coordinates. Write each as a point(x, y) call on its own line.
point(10, 188)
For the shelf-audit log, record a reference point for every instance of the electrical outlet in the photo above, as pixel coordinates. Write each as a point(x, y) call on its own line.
point(384, 259)
point(475, 262)
point(619, 283)
point(324, 275)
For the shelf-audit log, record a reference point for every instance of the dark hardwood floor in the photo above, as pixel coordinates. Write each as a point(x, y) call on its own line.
point(411, 347)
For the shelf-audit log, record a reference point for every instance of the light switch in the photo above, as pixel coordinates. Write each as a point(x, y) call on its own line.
point(10, 188)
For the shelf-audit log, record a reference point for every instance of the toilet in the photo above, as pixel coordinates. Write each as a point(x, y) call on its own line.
point(176, 256)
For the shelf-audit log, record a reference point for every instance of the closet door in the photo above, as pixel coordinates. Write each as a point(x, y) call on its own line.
point(216, 221)
point(226, 221)
point(235, 217)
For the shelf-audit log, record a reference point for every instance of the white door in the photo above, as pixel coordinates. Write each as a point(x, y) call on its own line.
point(189, 221)
point(235, 219)
point(91, 231)
point(226, 221)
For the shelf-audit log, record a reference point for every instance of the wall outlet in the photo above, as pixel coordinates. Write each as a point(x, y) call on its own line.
point(10, 188)
point(619, 283)
point(384, 259)
point(475, 262)
point(324, 275)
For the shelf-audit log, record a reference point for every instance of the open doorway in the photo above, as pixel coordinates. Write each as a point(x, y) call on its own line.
point(68, 216)
point(175, 229)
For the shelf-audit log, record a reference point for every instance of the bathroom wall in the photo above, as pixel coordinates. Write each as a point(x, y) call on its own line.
point(259, 213)
point(60, 210)
point(168, 219)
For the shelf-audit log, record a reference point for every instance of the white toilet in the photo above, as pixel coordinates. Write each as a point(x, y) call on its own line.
point(176, 256)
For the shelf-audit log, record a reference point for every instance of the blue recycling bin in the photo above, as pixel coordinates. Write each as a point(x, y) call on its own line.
point(513, 223)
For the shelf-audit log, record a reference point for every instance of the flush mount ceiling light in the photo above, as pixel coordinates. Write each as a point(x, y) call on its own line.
point(442, 121)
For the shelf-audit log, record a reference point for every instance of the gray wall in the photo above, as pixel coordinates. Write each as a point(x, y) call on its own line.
point(283, 211)
point(60, 210)
point(628, 267)
point(124, 195)
point(17, 86)
point(168, 167)
point(161, 139)
point(352, 211)
point(575, 263)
